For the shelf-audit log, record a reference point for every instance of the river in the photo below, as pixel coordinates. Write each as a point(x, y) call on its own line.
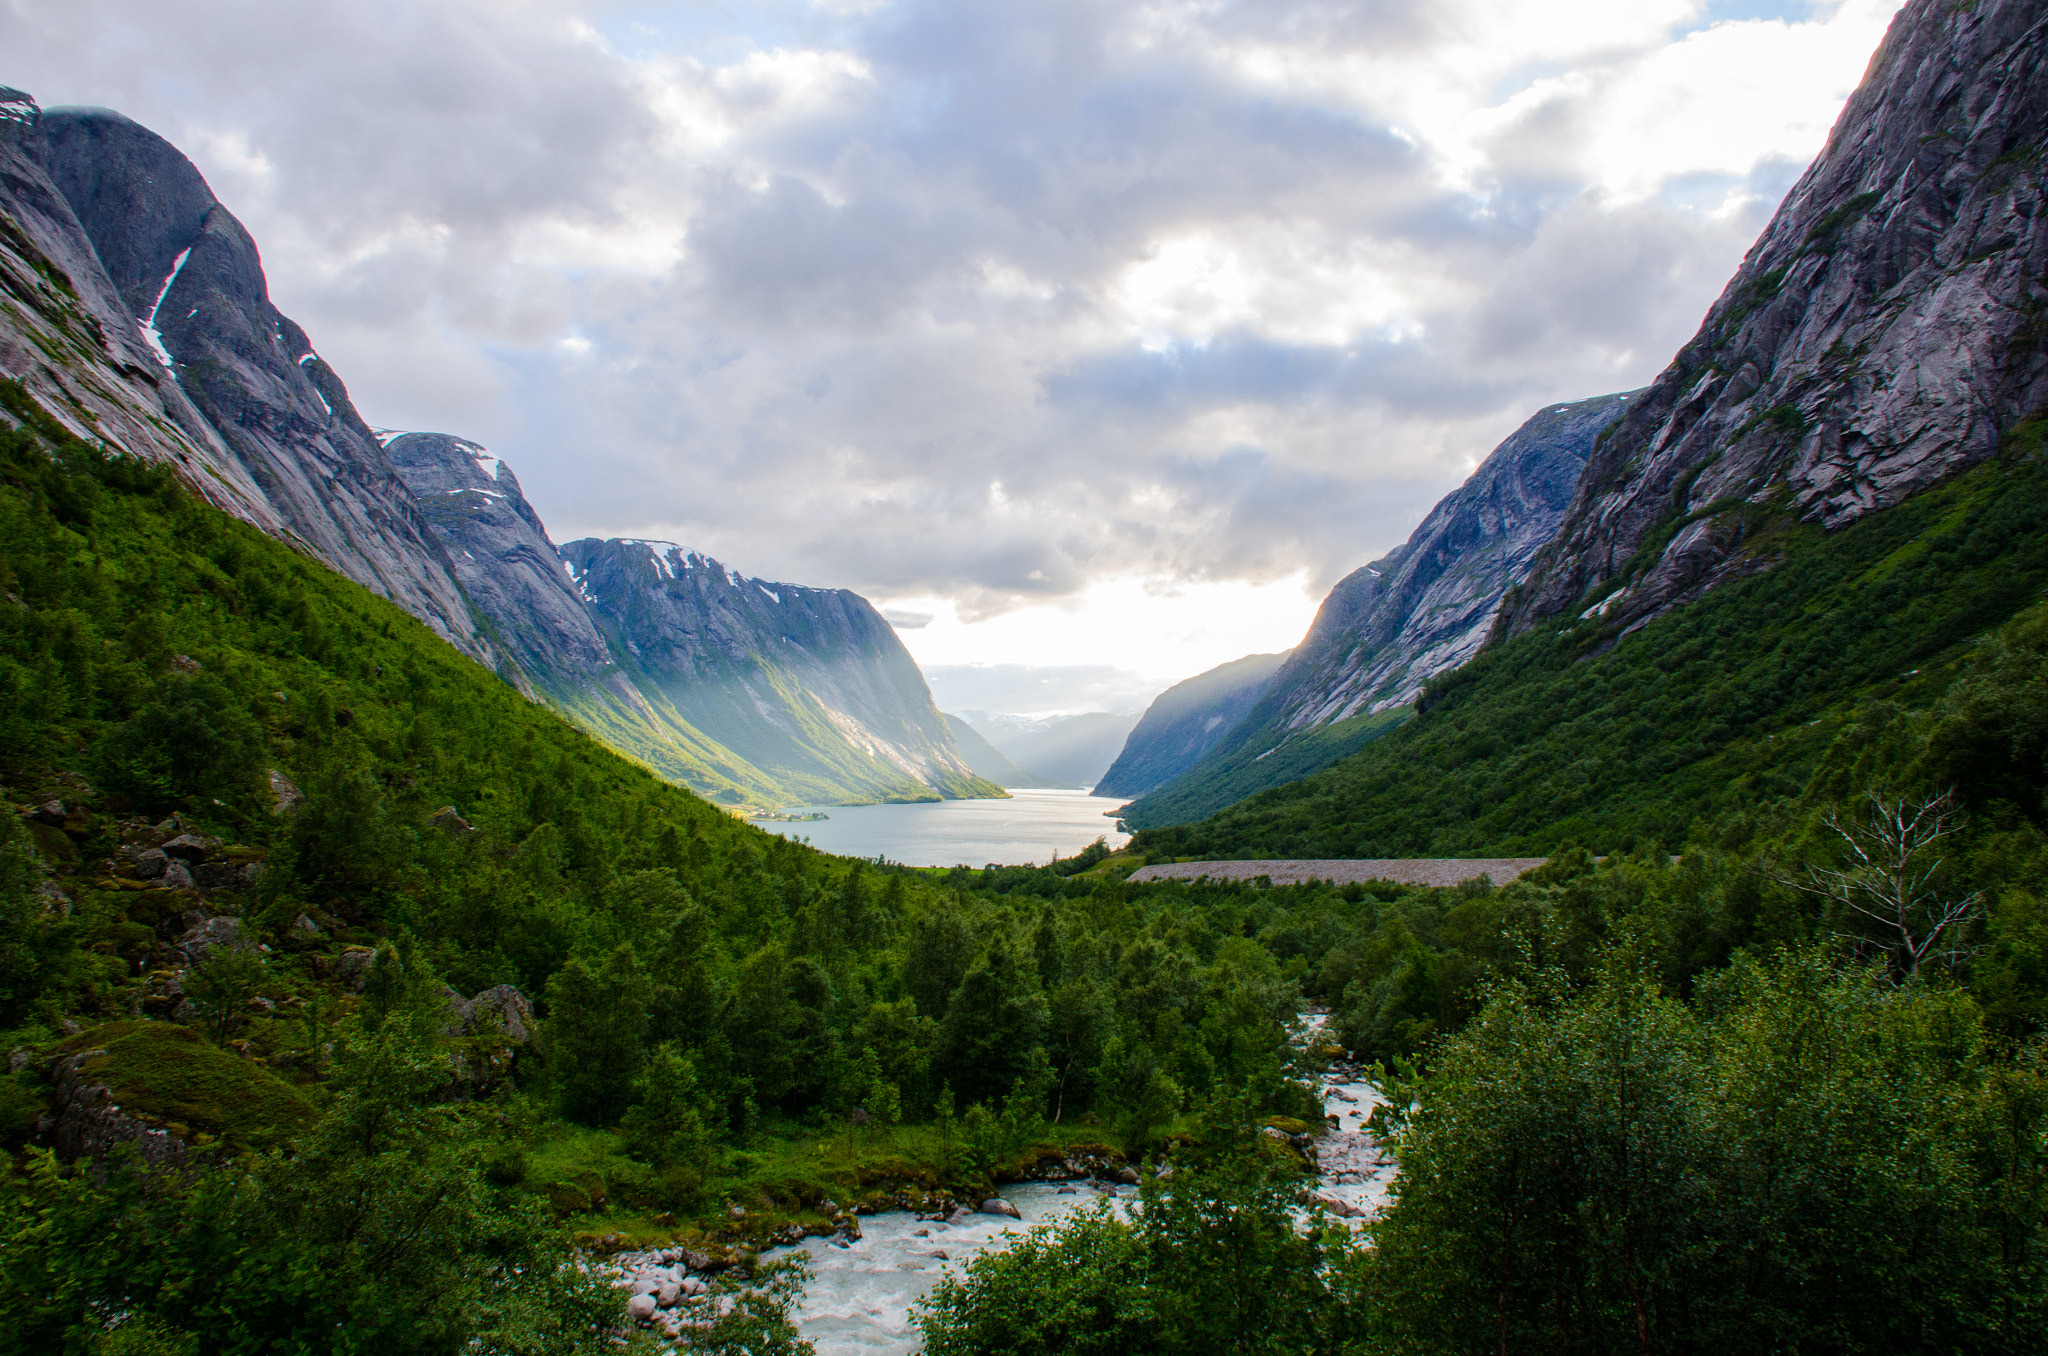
point(1031, 826)
point(859, 1299)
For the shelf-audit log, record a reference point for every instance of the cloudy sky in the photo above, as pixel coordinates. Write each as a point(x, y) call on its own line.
point(1099, 338)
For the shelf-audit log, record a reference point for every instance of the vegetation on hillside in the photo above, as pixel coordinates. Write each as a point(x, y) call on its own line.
point(1764, 692)
point(722, 1014)
point(353, 1158)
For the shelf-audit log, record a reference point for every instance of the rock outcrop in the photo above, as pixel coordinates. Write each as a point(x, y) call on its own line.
point(1889, 329)
point(501, 556)
point(1186, 721)
point(1388, 627)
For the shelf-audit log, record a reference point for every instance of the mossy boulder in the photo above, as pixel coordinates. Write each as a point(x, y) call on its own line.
point(175, 1077)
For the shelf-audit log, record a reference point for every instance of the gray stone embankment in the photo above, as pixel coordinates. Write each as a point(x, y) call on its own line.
point(1402, 871)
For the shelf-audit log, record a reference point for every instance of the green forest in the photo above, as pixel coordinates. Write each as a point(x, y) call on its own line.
point(410, 1001)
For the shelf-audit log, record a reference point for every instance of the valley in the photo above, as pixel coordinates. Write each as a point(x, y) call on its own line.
point(1617, 924)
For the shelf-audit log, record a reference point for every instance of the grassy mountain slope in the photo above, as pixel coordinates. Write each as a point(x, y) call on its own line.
point(1577, 734)
point(1273, 756)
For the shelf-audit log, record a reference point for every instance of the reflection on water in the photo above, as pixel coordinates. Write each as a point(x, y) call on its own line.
point(1031, 826)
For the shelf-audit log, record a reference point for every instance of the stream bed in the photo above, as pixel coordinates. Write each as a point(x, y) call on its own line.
point(859, 1299)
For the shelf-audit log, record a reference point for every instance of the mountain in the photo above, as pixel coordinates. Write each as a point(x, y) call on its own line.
point(137, 314)
point(1795, 554)
point(986, 760)
point(1075, 749)
point(1388, 627)
point(1186, 721)
point(811, 687)
point(1883, 334)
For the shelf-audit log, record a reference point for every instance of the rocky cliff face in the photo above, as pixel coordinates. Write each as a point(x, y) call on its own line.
point(210, 375)
point(501, 556)
point(134, 311)
point(1186, 721)
point(1886, 331)
point(808, 689)
point(1388, 627)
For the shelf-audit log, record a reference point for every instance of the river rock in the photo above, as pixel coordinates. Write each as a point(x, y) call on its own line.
point(641, 1307)
point(996, 1205)
point(1128, 1176)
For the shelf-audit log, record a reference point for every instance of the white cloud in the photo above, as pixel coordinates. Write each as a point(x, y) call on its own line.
point(1223, 292)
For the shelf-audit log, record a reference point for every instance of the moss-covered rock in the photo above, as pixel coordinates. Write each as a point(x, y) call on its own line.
point(174, 1077)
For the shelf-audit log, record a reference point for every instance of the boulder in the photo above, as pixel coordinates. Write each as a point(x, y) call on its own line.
point(507, 1006)
point(449, 820)
point(1128, 1176)
point(304, 930)
point(353, 966)
point(641, 1308)
point(176, 876)
point(996, 1205)
point(232, 876)
point(88, 1124)
point(695, 1261)
point(50, 812)
point(285, 797)
point(150, 864)
point(669, 1294)
point(191, 847)
point(210, 936)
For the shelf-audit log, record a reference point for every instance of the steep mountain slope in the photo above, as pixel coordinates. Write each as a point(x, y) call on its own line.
point(135, 312)
point(986, 760)
point(1768, 692)
point(810, 687)
point(1186, 721)
point(1883, 333)
point(1075, 749)
point(180, 279)
point(1386, 628)
point(1881, 339)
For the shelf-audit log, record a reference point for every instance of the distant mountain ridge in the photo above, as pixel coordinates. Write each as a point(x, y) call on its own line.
point(986, 760)
point(1388, 627)
point(1077, 749)
point(1186, 721)
point(136, 313)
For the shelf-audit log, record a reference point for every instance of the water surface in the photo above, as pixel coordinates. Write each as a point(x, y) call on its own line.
point(1031, 826)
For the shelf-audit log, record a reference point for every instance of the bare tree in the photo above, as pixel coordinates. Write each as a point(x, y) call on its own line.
point(1891, 881)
